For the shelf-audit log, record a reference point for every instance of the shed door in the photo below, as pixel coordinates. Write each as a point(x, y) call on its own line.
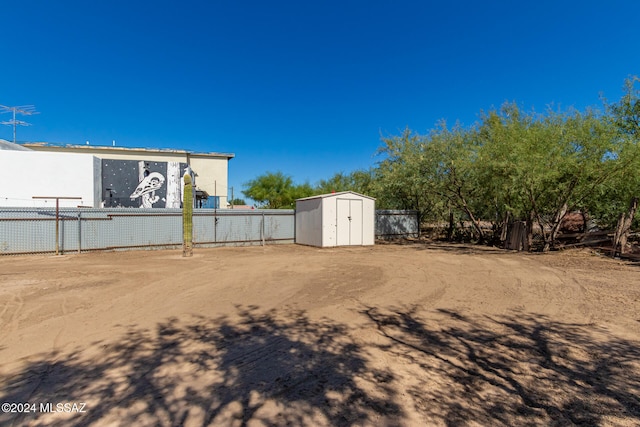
point(349, 222)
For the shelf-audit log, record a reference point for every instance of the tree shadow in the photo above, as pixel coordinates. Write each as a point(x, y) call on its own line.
point(274, 368)
point(518, 369)
point(281, 367)
point(443, 246)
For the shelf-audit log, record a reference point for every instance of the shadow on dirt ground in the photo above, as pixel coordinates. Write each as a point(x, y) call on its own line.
point(436, 245)
point(281, 368)
point(519, 369)
point(278, 368)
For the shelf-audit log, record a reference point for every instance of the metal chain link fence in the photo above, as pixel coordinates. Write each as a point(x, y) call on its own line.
point(43, 230)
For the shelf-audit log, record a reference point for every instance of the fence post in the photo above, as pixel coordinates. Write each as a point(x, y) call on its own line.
point(215, 226)
point(79, 232)
point(262, 230)
point(57, 226)
point(57, 198)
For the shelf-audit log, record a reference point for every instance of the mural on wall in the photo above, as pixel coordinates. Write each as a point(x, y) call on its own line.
point(144, 184)
point(146, 190)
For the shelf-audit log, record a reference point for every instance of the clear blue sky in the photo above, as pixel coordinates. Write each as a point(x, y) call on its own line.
point(302, 87)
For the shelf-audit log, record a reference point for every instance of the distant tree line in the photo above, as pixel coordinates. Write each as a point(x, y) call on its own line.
point(510, 165)
point(275, 190)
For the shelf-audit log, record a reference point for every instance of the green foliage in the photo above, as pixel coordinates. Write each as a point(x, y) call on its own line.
point(511, 165)
point(359, 181)
point(626, 112)
point(276, 191)
point(542, 166)
point(613, 197)
point(404, 178)
point(237, 202)
point(187, 217)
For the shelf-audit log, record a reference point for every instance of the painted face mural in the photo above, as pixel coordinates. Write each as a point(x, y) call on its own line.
point(142, 184)
point(147, 189)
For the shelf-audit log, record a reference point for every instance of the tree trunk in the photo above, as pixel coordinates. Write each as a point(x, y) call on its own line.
point(555, 228)
point(451, 226)
point(534, 215)
point(505, 226)
point(529, 224)
point(474, 221)
point(623, 227)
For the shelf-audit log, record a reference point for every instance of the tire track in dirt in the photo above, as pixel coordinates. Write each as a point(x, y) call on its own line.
point(56, 338)
point(12, 325)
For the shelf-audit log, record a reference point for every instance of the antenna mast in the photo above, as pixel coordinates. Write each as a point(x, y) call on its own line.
point(25, 110)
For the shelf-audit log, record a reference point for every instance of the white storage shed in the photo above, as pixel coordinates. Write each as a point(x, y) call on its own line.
point(336, 219)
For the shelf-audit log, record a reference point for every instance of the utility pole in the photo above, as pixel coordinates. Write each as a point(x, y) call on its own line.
point(25, 110)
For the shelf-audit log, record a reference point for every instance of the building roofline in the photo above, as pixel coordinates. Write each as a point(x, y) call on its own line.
point(120, 148)
point(10, 146)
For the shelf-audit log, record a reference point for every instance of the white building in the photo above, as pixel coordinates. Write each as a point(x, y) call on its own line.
point(337, 219)
point(25, 174)
point(120, 171)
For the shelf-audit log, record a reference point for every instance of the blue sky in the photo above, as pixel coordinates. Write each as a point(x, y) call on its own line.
point(303, 87)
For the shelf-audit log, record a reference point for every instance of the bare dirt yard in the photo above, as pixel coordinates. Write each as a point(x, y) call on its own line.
point(389, 335)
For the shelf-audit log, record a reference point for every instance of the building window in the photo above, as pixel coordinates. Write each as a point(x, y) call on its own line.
point(211, 202)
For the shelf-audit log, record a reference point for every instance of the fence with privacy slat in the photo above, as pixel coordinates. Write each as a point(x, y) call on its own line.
point(33, 230)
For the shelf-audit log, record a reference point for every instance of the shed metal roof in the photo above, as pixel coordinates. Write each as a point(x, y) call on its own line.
point(341, 193)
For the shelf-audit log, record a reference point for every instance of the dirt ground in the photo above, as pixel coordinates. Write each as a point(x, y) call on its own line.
point(389, 335)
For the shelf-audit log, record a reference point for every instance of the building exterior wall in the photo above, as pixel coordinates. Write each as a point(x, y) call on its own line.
point(211, 169)
point(117, 153)
point(24, 174)
point(212, 176)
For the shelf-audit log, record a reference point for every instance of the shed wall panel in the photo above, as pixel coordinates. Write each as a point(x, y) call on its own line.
point(329, 225)
point(309, 222)
point(368, 222)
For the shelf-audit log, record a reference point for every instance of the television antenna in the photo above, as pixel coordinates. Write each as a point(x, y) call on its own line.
point(25, 110)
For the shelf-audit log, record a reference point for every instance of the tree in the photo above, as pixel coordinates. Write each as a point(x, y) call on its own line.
point(624, 189)
point(540, 167)
point(402, 180)
point(433, 174)
point(626, 112)
point(300, 191)
point(275, 191)
point(512, 165)
point(455, 152)
point(338, 182)
point(237, 202)
point(358, 181)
